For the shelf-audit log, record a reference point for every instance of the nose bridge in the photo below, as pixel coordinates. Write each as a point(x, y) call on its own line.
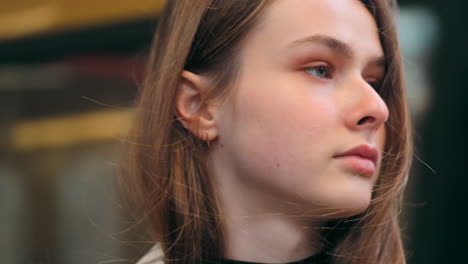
point(368, 110)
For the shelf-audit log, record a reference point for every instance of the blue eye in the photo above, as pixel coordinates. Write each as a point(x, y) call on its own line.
point(377, 85)
point(321, 71)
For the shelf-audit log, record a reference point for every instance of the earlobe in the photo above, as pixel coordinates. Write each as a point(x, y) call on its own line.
point(191, 110)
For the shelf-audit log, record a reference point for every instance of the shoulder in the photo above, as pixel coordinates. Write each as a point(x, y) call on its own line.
point(153, 256)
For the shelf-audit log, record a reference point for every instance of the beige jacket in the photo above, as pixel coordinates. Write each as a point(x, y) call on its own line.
point(153, 256)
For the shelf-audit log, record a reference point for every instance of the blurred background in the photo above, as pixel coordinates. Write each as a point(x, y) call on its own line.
point(68, 77)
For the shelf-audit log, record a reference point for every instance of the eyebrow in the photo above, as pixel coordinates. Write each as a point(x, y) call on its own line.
point(337, 46)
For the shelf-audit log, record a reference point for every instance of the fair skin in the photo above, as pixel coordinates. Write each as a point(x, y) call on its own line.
point(303, 95)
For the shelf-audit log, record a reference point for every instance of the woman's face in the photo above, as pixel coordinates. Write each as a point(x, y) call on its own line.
point(307, 92)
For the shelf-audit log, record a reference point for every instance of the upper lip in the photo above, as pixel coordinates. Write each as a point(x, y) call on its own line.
point(364, 151)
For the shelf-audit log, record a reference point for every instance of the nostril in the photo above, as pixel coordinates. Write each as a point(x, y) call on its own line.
point(366, 119)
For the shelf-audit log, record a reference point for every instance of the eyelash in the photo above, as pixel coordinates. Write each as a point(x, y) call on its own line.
point(377, 84)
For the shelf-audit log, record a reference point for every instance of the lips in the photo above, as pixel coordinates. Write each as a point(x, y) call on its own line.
point(362, 159)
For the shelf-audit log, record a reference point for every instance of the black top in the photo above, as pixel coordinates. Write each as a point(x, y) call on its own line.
point(320, 258)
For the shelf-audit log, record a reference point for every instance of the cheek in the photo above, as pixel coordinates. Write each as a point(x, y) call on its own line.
point(279, 134)
point(381, 135)
point(280, 139)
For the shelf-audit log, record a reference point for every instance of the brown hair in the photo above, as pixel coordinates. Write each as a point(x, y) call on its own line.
point(167, 176)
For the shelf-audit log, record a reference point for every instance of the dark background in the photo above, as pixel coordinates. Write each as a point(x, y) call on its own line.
point(437, 233)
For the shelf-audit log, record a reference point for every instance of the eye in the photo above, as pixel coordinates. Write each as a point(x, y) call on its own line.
point(376, 84)
point(321, 71)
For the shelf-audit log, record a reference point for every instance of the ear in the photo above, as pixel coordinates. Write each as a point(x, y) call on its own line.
point(194, 114)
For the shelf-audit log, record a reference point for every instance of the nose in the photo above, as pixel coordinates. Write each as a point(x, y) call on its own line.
point(367, 111)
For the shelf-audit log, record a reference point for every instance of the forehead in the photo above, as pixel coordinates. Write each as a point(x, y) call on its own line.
point(286, 21)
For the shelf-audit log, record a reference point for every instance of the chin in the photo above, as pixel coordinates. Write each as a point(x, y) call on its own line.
point(338, 206)
point(345, 212)
point(351, 211)
point(352, 206)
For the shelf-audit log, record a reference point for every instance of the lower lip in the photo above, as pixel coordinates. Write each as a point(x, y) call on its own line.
point(360, 165)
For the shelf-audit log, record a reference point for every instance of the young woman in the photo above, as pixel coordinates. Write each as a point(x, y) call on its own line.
point(272, 132)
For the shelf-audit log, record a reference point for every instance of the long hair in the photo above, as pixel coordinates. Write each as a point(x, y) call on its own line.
point(167, 175)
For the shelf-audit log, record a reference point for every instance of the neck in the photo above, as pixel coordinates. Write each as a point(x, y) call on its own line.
point(259, 227)
point(269, 239)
